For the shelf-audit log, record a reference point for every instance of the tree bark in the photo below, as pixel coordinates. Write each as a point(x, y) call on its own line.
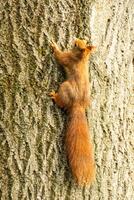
point(33, 163)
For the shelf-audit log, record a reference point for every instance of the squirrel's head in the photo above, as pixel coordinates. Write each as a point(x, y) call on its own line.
point(82, 46)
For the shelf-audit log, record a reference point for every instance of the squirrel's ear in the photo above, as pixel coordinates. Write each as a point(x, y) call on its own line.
point(83, 50)
point(91, 48)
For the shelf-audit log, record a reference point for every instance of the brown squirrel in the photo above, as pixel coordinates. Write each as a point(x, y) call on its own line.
point(73, 95)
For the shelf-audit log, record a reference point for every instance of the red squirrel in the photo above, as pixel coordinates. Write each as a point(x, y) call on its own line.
point(73, 95)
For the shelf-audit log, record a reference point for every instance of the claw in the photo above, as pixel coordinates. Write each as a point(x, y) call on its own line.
point(53, 45)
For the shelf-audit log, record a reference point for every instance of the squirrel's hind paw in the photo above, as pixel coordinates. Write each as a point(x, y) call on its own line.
point(52, 94)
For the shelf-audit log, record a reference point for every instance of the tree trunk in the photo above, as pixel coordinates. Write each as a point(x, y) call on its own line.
point(33, 163)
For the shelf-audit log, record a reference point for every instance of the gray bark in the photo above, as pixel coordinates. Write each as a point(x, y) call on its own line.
point(33, 162)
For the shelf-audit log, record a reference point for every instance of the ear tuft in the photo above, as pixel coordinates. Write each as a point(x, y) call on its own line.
point(91, 48)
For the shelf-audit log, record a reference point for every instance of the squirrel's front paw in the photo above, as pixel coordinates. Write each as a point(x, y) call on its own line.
point(53, 45)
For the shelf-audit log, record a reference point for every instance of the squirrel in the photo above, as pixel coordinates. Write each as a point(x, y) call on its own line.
point(73, 95)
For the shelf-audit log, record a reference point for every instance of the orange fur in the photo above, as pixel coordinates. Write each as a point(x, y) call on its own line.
point(73, 95)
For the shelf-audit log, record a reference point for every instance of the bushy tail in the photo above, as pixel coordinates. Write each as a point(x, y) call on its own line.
point(79, 147)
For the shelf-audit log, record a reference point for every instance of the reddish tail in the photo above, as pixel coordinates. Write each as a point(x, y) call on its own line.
point(79, 147)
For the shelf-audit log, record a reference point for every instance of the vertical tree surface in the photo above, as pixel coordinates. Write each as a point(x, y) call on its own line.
point(33, 163)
